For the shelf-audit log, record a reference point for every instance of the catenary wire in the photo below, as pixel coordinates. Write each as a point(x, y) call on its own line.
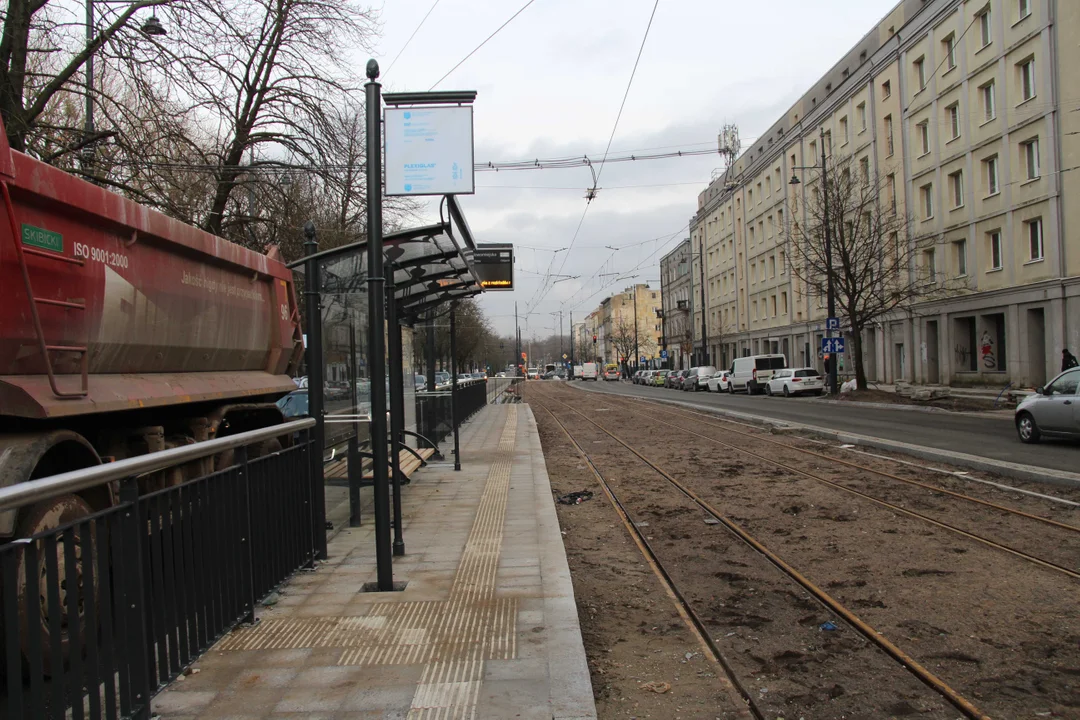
point(403, 47)
point(474, 50)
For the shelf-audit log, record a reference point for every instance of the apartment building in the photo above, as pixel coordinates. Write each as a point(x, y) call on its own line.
point(676, 288)
point(961, 109)
point(640, 304)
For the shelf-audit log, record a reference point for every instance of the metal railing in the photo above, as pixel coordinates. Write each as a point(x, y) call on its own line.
point(104, 610)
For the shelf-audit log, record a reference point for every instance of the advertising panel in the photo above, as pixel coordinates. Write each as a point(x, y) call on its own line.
point(429, 151)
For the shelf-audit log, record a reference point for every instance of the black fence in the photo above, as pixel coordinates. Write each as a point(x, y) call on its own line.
point(102, 612)
point(434, 412)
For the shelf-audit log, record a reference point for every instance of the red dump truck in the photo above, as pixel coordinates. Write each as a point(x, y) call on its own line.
point(122, 332)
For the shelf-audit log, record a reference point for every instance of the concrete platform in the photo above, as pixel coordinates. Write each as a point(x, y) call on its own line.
point(486, 627)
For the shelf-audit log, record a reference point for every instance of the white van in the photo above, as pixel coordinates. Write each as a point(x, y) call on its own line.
point(753, 372)
point(590, 371)
point(577, 373)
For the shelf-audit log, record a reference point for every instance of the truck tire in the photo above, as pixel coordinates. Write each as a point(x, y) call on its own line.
point(39, 518)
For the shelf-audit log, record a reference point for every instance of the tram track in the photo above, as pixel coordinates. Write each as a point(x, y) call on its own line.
point(839, 610)
point(721, 425)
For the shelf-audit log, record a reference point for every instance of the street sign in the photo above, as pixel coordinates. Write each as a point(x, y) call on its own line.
point(429, 151)
point(564, 356)
point(663, 354)
point(644, 359)
point(832, 323)
point(832, 345)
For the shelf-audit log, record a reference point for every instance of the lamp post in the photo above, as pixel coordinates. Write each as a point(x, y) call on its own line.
point(831, 296)
point(151, 27)
point(704, 331)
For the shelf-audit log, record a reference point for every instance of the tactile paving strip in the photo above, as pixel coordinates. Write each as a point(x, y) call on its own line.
point(452, 638)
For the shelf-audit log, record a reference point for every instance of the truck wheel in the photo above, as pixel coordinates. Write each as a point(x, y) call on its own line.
point(42, 518)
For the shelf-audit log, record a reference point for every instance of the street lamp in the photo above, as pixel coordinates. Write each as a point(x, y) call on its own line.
point(151, 27)
point(831, 297)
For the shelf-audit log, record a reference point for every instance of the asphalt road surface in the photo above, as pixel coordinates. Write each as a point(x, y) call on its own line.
point(990, 436)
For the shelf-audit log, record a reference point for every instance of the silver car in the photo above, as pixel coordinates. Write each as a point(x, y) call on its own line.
point(1053, 411)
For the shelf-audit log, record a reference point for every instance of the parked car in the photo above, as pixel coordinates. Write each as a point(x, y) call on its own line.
point(795, 381)
point(752, 372)
point(639, 376)
point(720, 381)
point(1053, 411)
point(675, 378)
point(611, 372)
point(660, 377)
point(647, 377)
point(419, 382)
point(698, 379)
point(295, 404)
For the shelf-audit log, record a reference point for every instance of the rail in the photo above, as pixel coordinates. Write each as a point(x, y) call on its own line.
point(34, 491)
point(103, 610)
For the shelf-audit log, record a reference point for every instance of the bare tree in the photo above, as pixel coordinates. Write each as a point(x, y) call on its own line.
point(626, 343)
point(879, 265)
point(42, 51)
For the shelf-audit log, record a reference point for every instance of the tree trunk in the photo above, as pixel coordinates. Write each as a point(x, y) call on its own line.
point(860, 369)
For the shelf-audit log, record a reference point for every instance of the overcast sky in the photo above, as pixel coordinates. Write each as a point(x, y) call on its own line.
point(550, 84)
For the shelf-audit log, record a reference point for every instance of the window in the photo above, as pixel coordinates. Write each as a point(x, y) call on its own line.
point(994, 239)
point(890, 187)
point(1029, 153)
point(985, 31)
point(754, 307)
point(772, 266)
point(1035, 238)
point(1027, 79)
point(920, 73)
point(750, 197)
point(779, 180)
point(813, 151)
point(772, 301)
point(783, 262)
point(768, 186)
point(843, 131)
point(888, 136)
point(828, 142)
point(953, 114)
point(960, 249)
point(991, 164)
point(886, 90)
point(923, 129)
point(956, 183)
point(930, 262)
point(864, 170)
point(759, 193)
point(860, 113)
point(1024, 7)
point(989, 107)
point(928, 201)
point(780, 221)
point(949, 45)
point(783, 303)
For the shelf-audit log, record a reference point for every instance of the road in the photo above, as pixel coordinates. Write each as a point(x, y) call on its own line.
point(990, 436)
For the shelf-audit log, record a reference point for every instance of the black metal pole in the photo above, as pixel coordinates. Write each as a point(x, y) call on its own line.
point(376, 331)
point(354, 461)
point(571, 344)
point(833, 389)
point(397, 404)
point(637, 352)
point(313, 306)
point(430, 348)
point(704, 332)
point(453, 386)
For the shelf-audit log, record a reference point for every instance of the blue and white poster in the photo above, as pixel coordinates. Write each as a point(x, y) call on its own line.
point(429, 151)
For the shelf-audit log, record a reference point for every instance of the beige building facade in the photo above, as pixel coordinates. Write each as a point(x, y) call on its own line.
point(619, 311)
point(966, 111)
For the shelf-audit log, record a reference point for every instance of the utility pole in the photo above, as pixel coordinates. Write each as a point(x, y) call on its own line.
point(690, 306)
point(571, 343)
point(704, 331)
point(833, 389)
point(637, 351)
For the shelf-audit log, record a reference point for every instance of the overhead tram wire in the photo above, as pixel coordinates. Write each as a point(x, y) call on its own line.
point(474, 50)
point(403, 47)
point(603, 161)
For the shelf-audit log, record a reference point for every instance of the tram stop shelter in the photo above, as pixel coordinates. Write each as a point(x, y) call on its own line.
point(426, 269)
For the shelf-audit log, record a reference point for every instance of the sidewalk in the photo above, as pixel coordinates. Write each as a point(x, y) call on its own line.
point(485, 628)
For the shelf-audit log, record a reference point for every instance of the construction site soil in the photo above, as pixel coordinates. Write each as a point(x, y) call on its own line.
point(996, 628)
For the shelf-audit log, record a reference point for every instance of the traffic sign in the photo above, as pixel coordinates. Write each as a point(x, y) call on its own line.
point(832, 323)
point(832, 345)
point(564, 356)
point(663, 354)
point(644, 359)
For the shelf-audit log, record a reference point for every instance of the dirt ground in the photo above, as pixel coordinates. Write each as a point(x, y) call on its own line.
point(1000, 630)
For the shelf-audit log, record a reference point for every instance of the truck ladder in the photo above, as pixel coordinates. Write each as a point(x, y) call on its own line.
point(46, 348)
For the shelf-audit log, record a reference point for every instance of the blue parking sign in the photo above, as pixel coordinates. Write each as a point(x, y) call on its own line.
point(832, 345)
point(663, 354)
point(644, 359)
point(832, 323)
